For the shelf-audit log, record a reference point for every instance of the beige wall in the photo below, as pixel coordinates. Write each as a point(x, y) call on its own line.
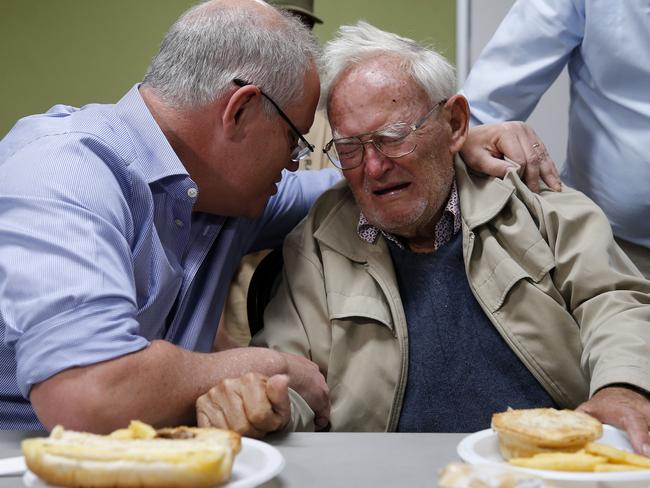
point(82, 51)
point(431, 21)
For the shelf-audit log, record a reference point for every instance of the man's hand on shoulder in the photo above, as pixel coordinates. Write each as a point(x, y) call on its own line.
point(624, 408)
point(487, 144)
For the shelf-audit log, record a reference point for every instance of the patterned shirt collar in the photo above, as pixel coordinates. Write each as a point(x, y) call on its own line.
point(448, 225)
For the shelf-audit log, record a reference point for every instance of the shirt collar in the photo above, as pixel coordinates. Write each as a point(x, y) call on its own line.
point(448, 225)
point(154, 155)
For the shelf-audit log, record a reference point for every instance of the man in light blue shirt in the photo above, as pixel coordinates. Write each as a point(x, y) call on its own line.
point(121, 226)
point(605, 45)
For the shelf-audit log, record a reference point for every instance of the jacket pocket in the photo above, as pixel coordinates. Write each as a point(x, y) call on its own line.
point(342, 307)
point(494, 277)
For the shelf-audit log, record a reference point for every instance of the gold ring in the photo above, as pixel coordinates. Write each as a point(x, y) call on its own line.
point(536, 145)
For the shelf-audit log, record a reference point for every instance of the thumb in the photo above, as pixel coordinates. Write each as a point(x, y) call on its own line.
point(277, 391)
point(497, 167)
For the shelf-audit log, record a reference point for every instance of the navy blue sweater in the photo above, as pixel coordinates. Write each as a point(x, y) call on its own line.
point(460, 368)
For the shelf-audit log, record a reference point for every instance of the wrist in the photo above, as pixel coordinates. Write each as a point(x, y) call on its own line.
point(627, 386)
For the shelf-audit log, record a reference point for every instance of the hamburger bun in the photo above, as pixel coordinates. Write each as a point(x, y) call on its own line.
point(137, 456)
point(523, 433)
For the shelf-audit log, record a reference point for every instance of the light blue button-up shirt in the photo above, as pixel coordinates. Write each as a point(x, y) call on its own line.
point(606, 45)
point(100, 251)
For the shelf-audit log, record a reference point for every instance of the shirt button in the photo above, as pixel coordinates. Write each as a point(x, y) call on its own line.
point(179, 223)
point(192, 192)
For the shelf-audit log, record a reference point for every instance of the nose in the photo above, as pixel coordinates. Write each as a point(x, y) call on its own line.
point(376, 164)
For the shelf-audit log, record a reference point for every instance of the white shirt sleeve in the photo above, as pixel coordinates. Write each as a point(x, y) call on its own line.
point(523, 58)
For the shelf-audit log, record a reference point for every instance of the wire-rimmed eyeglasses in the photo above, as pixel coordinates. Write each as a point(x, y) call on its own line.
point(303, 147)
point(393, 141)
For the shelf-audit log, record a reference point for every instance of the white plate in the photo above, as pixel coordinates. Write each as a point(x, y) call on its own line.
point(483, 447)
point(256, 463)
point(13, 466)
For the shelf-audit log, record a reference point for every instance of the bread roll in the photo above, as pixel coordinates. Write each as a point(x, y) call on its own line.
point(134, 457)
point(523, 433)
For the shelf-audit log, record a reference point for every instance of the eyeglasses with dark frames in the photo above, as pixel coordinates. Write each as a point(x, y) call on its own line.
point(393, 141)
point(303, 148)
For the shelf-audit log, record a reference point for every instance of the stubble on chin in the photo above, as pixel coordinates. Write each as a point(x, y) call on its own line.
point(420, 220)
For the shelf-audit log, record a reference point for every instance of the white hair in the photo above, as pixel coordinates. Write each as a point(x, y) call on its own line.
point(210, 45)
point(356, 43)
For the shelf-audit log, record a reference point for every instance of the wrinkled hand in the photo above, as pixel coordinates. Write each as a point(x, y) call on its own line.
point(252, 405)
point(306, 379)
point(486, 144)
point(623, 408)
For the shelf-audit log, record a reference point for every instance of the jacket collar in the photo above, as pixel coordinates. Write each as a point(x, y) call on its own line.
point(481, 199)
point(338, 230)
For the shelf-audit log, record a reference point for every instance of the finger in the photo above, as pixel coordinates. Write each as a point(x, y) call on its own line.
point(209, 414)
point(277, 391)
point(533, 149)
point(539, 164)
point(306, 379)
point(322, 416)
point(202, 419)
point(499, 167)
point(636, 427)
point(320, 402)
point(549, 173)
point(510, 145)
point(231, 403)
point(531, 177)
point(258, 406)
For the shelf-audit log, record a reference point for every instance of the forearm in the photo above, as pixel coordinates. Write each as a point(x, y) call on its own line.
point(158, 385)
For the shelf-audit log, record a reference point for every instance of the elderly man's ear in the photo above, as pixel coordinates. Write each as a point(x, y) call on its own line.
point(456, 111)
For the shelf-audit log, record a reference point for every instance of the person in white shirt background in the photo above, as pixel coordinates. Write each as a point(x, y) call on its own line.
point(605, 46)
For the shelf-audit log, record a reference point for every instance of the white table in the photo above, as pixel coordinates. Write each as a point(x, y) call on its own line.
point(330, 460)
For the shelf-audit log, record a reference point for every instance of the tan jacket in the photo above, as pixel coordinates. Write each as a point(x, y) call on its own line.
point(544, 268)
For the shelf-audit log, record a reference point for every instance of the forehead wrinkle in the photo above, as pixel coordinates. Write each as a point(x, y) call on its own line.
point(378, 85)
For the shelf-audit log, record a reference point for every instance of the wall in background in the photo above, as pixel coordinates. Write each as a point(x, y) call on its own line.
point(82, 51)
point(432, 21)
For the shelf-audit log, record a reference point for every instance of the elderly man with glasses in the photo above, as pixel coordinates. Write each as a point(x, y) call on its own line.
point(430, 296)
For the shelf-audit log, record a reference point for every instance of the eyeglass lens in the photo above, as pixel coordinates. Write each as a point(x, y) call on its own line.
point(349, 153)
point(394, 142)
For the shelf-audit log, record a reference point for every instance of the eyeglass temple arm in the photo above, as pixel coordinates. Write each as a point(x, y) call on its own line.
point(241, 83)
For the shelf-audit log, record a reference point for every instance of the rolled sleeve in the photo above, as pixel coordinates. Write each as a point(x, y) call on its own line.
point(78, 337)
point(67, 291)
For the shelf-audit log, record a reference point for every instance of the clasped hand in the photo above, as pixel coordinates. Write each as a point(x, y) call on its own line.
point(255, 404)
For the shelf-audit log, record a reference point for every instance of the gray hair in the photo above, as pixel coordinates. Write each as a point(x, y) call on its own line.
point(210, 45)
point(356, 43)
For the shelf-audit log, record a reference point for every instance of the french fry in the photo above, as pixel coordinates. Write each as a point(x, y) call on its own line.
point(560, 461)
point(614, 468)
point(617, 456)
